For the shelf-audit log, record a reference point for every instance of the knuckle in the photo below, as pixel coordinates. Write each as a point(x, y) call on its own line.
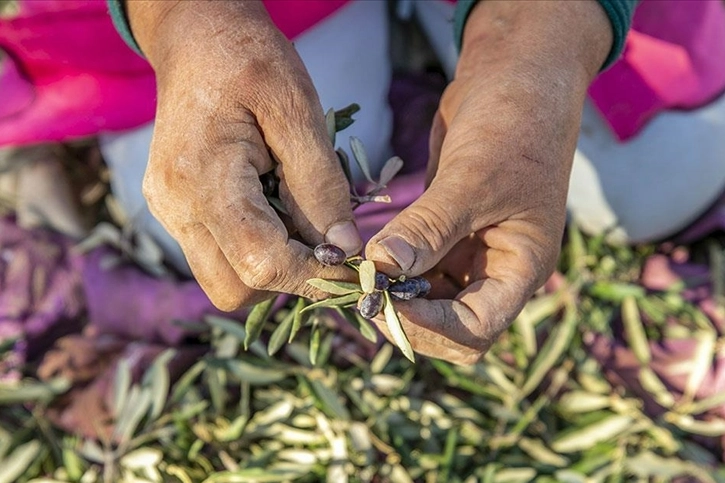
point(534, 267)
point(436, 227)
point(264, 274)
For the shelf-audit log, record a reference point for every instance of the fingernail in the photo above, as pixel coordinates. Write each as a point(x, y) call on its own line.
point(345, 236)
point(401, 252)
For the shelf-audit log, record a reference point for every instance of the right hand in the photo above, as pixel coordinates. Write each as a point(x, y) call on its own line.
point(232, 90)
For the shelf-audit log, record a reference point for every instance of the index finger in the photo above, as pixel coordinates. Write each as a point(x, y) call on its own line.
point(256, 243)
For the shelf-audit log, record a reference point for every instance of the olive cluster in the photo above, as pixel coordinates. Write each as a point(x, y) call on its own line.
point(370, 304)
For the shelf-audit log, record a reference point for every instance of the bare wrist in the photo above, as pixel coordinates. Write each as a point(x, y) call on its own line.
point(574, 35)
point(163, 27)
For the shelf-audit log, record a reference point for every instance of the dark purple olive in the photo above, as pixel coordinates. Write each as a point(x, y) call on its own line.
point(405, 290)
point(382, 282)
point(269, 183)
point(370, 304)
point(329, 254)
point(423, 286)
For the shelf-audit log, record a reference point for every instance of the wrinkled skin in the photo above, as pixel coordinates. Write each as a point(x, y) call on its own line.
point(230, 100)
point(502, 145)
point(486, 232)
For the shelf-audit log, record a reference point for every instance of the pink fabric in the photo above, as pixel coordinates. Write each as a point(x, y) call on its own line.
point(674, 58)
point(70, 75)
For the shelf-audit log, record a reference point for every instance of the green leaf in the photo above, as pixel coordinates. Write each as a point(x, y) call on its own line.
point(634, 330)
point(73, 464)
point(15, 465)
point(228, 326)
point(701, 362)
point(343, 117)
point(121, 384)
point(583, 402)
point(329, 401)
point(334, 287)
point(186, 380)
point(297, 321)
point(367, 276)
point(157, 379)
point(390, 169)
point(281, 333)
point(514, 475)
point(556, 343)
point(363, 326)
point(32, 392)
point(137, 405)
point(215, 382)
point(333, 302)
point(330, 123)
point(254, 374)
point(396, 329)
point(653, 384)
point(255, 321)
point(585, 438)
point(345, 165)
point(711, 427)
point(648, 465)
point(381, 359)
point(539, 452)
point(256, 475)
point(616, 292)
point(361, 157)
point(314, 343)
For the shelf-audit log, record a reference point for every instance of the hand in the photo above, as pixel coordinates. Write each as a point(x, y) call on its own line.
point(487, 230)
point(232, 96)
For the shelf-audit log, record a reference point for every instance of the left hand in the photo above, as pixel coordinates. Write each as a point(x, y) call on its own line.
point(487, 231)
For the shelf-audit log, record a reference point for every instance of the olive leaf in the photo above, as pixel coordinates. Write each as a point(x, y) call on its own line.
point(121, 385)
point(18, 461)
point(361, 157)
point(333, 302)
point(389, 170)
point(363, 326)
point(255, 321)
point(315, 342)
point(634, 330)
point(590, 435)
point(396, 329)
point(157, 379)
point(345, 165)
point(297, 320)
point(281, 333)
point(330, 123)
point(334, 287)
point(343, 117)
point(367, 276)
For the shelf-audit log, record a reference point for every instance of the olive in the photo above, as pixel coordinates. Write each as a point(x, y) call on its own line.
point(370, 304)
point(404, 290)
point(329, 254)
point(382, 282)
point(423, 286)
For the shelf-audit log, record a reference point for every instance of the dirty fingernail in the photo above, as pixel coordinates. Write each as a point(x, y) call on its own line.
point(401, 252)
point(345, 236)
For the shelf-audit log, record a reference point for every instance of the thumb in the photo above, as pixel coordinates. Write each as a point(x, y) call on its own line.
point(417, 238)
point(313, 186)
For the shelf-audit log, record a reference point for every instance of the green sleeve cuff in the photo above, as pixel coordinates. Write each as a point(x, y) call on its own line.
point(117, 10)
point(620, 13)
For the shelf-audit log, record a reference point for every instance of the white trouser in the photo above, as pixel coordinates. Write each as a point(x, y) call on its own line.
point(644, 189)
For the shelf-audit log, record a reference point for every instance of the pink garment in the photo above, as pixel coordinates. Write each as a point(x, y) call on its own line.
point(69, 74)
point(674, 58)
